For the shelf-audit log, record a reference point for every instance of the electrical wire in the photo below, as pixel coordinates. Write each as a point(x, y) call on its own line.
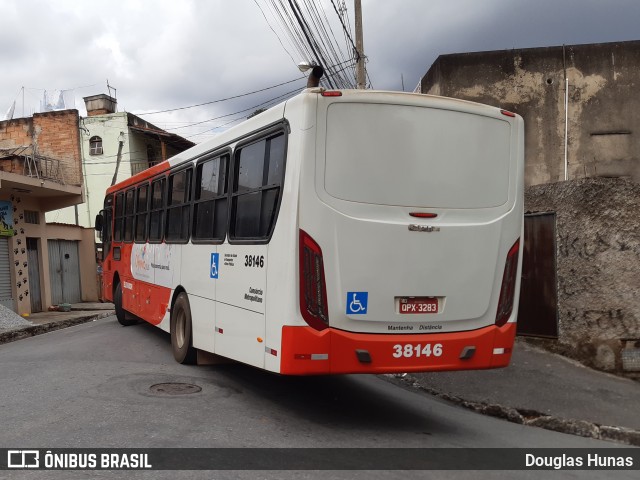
point(170, 142)
point(346, 32)
point(221, 99)
point(306, 27)
point(235, 113)
point(274, 32)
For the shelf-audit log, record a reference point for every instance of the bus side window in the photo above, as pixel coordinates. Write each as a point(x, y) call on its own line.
point(259, 174)
point(156, 213)
point(119, 213)
point(178, 207)
point(129, 213)
point(210, 202)
point(142, 205)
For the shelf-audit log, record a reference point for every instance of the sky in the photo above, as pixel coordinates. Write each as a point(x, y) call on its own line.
point(170, 54)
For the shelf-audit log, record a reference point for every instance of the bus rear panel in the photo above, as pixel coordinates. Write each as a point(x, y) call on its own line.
point(410, 219)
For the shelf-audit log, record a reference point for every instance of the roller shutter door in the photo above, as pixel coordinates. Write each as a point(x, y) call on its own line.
point(6, 297)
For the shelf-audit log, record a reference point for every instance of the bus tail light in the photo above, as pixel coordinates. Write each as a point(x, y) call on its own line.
point(507, 291)
point(313, 288)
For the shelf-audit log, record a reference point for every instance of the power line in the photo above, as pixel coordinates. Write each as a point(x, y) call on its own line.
point(327, 44)
point(341, 55)
point(307, 28)
point(222, 99)
point(235, 113)
point(170, 142)
point(346, 32)
point(274, 32)
point(293, 28)
point(308, 35)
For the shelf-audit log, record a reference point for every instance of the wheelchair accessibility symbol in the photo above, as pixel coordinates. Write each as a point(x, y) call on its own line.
point(357, 303)
point(213, 271)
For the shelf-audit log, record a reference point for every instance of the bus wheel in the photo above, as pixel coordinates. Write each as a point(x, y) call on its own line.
point(121, 315)
point(181, 336)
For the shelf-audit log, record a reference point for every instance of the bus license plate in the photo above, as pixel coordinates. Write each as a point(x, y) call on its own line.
point(418, 305)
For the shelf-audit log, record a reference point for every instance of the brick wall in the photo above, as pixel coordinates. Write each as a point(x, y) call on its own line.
point(99, 111)
point(57, 136)
point(52, 134)
point(15, 133)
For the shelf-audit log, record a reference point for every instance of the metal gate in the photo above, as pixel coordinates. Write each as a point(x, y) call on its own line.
point(538, 311)
point(34, 275)
point(6, 297)
point(64, 272)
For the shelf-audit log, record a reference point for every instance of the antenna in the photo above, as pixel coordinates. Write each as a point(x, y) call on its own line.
point(109, 87)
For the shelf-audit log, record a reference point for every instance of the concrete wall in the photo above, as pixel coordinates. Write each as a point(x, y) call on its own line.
point(603, 105)
point(598, 265)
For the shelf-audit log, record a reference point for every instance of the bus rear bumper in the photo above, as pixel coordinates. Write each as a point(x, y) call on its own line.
point(306, 351)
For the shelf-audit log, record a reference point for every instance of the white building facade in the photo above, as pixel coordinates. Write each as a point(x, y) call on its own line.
point(111, 141)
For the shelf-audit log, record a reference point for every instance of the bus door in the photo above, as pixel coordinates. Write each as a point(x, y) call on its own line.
point(256, 188)
point(240, 307)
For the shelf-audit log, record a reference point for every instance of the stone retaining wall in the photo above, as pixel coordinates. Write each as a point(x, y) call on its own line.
point(598, 263)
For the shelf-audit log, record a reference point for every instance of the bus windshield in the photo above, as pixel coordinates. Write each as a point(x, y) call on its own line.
point(416, 156)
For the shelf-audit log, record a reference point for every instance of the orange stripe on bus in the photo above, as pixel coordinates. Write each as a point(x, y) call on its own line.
point(299, 344)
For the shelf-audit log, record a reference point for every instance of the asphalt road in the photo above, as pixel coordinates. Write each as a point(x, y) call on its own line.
point(90, 386)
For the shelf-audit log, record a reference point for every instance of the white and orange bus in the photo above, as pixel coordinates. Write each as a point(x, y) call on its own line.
point(338, 232)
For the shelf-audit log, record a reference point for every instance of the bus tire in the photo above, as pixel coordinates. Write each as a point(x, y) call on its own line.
point(181, 331)
point(121, 314)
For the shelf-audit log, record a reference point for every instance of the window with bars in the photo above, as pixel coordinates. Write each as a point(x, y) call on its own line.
point(32, 217)
point(95, 145)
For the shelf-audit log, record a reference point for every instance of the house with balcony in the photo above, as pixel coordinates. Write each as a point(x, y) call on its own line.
point(114, 146)
point(40, 171)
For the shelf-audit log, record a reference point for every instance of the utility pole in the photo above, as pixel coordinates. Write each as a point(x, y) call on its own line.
point(361, 73)
point(120, 145)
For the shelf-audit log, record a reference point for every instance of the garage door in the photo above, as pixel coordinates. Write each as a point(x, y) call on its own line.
point(64, 272)
point(6, 298)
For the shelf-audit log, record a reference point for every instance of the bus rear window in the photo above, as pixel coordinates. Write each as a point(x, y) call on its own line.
point(416, 156)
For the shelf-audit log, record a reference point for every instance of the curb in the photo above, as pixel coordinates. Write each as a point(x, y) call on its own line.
point(532, 418)
point(26, 332)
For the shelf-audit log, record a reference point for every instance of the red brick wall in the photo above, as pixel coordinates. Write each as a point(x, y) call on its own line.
point(57, 135)
point(15, 133)
point(100, 111)
point(51, 134)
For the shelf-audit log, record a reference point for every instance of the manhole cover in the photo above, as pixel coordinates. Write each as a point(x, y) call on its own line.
point(174, 388)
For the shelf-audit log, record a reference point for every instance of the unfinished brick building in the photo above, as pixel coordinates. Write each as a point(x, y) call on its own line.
point(41, 170)
point(50, 140)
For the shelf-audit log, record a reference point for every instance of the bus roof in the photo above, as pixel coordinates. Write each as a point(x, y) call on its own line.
point(276, 113)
